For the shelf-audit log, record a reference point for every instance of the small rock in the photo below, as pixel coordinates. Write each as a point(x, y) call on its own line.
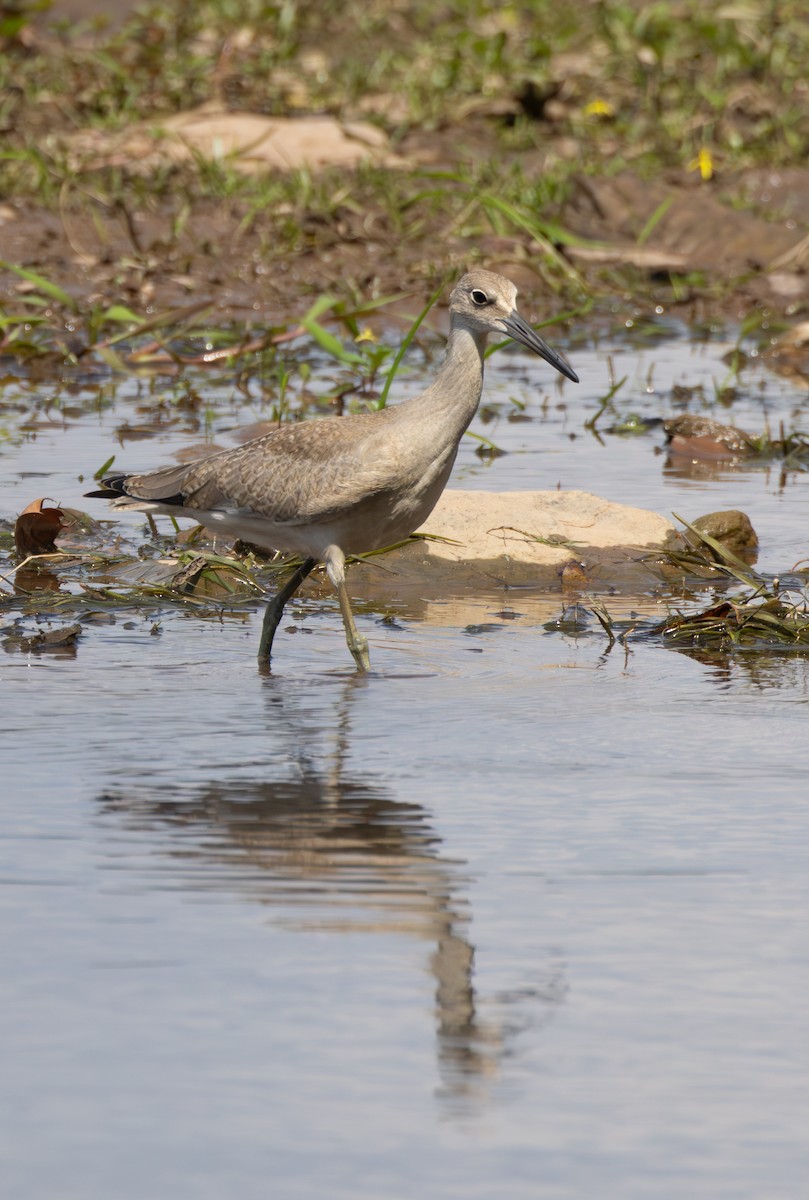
point(700, 437)
point(574, 576)
point(731, 527)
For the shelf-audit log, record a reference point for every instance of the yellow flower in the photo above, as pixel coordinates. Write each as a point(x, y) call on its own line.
point(366, 335)
point(702, 163)
point(599, 108)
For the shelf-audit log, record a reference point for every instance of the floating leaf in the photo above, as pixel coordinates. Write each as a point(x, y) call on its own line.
point(36, 528)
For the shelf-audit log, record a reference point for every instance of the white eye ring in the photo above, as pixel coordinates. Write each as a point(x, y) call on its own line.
point(479, 297)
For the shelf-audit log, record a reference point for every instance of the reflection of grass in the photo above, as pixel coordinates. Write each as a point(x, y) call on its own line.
point(791, 445)
point(760, 619)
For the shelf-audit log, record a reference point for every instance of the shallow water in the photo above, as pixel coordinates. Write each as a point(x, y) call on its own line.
point(512, 916)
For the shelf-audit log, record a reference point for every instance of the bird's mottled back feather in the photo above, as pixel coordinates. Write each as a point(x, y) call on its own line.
point(297, 474)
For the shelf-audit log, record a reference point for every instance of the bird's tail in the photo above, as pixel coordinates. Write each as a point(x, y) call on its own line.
point(111, 488)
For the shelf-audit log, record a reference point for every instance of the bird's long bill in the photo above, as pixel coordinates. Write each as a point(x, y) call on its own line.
point(522, 332)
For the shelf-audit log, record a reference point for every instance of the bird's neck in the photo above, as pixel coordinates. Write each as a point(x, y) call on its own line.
point(457, 386)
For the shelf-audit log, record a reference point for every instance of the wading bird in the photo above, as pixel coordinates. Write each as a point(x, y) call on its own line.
point(326, 488)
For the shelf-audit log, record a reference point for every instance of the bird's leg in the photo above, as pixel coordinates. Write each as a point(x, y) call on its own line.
point(275, 608)
point(335, 562)
point(357, 644)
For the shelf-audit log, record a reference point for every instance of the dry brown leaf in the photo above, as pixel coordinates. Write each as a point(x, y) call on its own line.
point(36, 528)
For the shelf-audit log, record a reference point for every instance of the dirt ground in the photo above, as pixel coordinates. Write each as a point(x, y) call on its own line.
point(703, 248)
point(743, 260)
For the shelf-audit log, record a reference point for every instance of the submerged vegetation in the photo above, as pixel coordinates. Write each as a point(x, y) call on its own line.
point(761, 613)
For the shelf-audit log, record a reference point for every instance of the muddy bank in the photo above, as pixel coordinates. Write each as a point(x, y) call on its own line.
point(705, 260)
point(186, 154)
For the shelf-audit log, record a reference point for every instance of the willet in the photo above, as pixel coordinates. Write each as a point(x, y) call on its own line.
point(344, 485)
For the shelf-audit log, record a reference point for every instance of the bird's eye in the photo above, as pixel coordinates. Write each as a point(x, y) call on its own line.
point(479, 297)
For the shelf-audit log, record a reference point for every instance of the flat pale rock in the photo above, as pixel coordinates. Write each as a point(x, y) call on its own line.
point(250, 142)
point(495, 539)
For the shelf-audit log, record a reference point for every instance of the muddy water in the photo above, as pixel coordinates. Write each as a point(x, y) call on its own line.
point(512, 916)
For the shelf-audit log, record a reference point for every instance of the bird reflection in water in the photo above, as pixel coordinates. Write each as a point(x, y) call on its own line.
point(334, 849)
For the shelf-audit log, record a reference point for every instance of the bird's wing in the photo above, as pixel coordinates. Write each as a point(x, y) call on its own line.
point(298, 474)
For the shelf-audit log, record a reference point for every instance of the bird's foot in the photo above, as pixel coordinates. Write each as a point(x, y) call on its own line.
point(272, 619)
point(359, 651)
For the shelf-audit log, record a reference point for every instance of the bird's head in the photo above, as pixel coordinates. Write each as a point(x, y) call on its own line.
point(486, 303)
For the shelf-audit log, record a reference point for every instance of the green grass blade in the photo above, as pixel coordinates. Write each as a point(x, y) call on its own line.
point(408, 338)
point(725, 559)
point(102, 470)
point(173, 316)
point(540, 233)
point(44, 285)
point(121, 314)
point(657, 216)
point(321, 305)
point(326, 340)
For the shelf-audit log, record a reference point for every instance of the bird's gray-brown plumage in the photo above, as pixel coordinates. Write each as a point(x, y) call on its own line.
point(344, 485)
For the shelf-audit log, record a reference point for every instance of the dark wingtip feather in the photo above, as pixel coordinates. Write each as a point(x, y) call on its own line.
point(111, 488)
point(114, 487)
